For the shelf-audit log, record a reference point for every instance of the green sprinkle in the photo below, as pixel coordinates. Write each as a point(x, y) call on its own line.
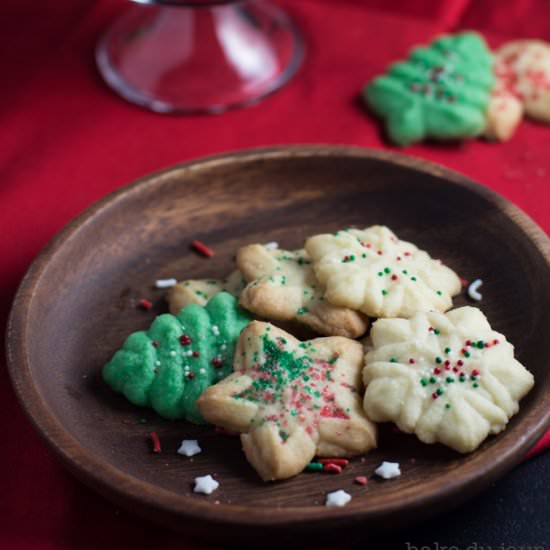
point(475, 385)
point(433, 380)
point(350, 258)
point(438, 292)
point(380, 274)
point(314, 467)
point(302, 311)
point(449, 379)
point(384, 292)
point(480, 344)
point(393, 360)
point(467, 354)
point(447, 350)
point(283, 435)
point(363, 255)
point(413, 279)
point(439, 391)
point(438, 360)
point(423, 381)
point(437, 332)
point(405, 272)
point(462, 378)
point(387, 270)
point(447, 405)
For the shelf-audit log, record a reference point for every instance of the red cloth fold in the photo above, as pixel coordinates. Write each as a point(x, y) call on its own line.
point(67, 140)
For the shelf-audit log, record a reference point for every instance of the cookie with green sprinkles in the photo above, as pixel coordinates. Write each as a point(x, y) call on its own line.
point(168, 366)
point(291, 400)
point(448, 378)
point(282, 287)
point(372, 271)
point(199, 291)
point(440, 91)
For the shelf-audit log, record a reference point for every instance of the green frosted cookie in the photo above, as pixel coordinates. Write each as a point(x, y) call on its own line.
point(168, 366)
point(441, 91)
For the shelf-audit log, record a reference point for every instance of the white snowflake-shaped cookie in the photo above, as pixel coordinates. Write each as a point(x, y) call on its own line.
point(372, 271)
point(445, 377)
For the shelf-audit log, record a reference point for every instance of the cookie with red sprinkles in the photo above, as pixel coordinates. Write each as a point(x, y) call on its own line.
point(448, 378)
point(291, 400)
point(168, 366)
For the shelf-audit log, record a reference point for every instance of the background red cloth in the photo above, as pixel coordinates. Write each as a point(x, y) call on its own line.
point(66, 140)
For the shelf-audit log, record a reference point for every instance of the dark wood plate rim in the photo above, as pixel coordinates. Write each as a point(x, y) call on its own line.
point(121, 486)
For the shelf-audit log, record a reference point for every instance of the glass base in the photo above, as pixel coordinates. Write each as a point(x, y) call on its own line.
point(199, 59)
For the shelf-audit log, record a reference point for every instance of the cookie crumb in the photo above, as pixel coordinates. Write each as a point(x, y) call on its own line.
point(388, 470)
point(271, 245)
point(189, 447)
point(361, 480)
point(165, 283)
point(473, 292)
point(205, 485)
point(337, 498)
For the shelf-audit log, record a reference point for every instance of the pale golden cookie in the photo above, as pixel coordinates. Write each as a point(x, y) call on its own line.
point(523, 68)
point(282, 287)
point(291, 400)
point(372, 271)
point(504, 113)
point(448, 378)
point(199, 291)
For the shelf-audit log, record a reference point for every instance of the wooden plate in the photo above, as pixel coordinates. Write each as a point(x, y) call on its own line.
point(78, 302)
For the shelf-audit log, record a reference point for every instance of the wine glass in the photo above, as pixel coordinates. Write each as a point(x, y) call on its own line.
point(199, 56)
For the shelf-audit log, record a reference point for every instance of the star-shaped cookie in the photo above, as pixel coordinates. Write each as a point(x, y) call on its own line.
point(291, 400)
point(445, 377)
point(282, 287)
point(372, 271)
point(199, 291)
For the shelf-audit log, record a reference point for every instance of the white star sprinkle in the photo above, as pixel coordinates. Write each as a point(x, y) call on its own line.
point(337, 498)
point(387, 470)
point(205, 484)
point(189, 447)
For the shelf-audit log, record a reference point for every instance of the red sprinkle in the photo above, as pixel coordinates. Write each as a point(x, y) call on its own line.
point(185, 340)
point(201, 248)
point(156, 442)
point(393, 277)
point(495, 342)
point(412, 361)
point(196, 354)
point(468, 342)
point(434, 395)
point(155, 343)
point(332, 468)
point(464, 282)
point(338, 461)
point(145, 304)
point(361, 480)
point(460, 362)
point(190, 375)
point(379, 252)
point(437, 370)
point(475, 372)
point(217, 362)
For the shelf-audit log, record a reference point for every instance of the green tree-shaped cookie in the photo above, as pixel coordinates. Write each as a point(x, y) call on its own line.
point(441, 91)
point(168, 366)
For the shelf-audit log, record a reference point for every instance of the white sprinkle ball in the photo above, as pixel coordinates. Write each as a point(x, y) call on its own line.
point(157, 363)
point(271, 245)
point(337, 498)
point(473, 292)
point(387, 470)
point(205, 485)
point(215, 330)
point(173, 353)
point(189, 447)
point(165, 283)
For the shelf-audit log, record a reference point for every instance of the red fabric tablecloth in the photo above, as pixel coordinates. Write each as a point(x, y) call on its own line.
point(66, 140)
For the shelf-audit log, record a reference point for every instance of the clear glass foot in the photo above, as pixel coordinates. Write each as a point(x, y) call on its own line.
point(201, 58)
